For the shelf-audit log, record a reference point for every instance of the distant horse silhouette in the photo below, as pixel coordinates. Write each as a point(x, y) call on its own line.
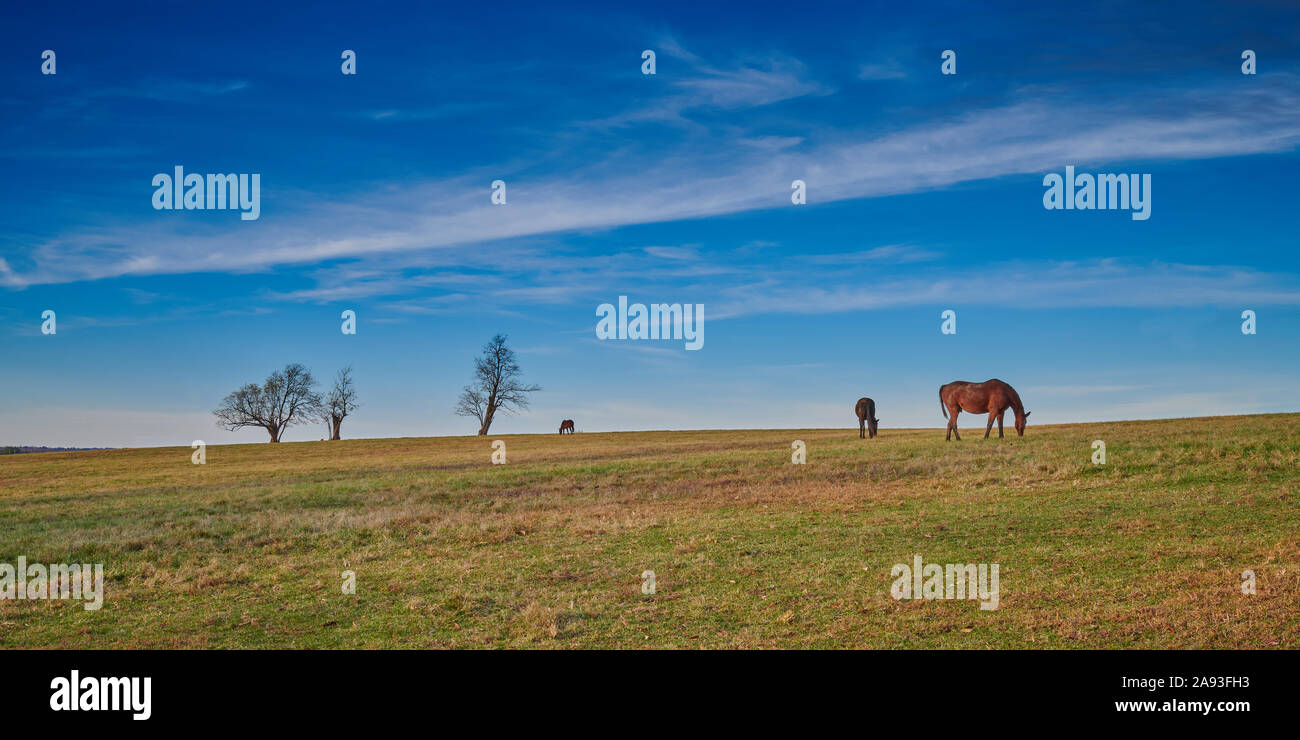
point(566, 424)
point(992, 396)
point(867, 421)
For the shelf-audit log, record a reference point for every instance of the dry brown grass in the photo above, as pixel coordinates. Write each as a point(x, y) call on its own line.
point(748, 549)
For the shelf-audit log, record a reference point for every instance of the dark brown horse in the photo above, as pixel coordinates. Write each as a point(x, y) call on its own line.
point(866, 411)
point(566, 424)
point(992, 396)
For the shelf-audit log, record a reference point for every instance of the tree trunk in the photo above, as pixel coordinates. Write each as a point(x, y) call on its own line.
point(487, 421)
point(272, 431)
point(338, 422)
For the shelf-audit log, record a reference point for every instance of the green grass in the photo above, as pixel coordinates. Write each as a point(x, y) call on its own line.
point(748, 549)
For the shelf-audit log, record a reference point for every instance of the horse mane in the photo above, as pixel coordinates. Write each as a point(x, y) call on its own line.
point(1016, 404)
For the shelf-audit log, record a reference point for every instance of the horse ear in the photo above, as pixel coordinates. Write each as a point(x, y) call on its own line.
point(1027, 413)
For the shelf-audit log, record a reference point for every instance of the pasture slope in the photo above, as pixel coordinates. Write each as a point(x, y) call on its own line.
point(748, 549)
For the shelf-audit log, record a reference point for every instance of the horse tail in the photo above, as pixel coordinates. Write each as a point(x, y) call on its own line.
point(942, 408)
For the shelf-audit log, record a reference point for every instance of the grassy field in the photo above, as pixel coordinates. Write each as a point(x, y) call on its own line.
point(748, 549)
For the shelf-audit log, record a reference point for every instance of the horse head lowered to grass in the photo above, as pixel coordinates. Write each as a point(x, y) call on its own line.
point(867, 421)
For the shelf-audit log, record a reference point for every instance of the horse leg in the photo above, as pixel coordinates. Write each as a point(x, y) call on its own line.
point(952, 422)
point(989, 427)
point(1001, 414)
point(862, 428)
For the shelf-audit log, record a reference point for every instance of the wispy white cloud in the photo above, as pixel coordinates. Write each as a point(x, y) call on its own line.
point(735, 85)
point(895, 253)
point(428, 113)
point(1042, 284)
point(890, 70)
point(673, 253)
point(160, 90)
point(796, 285)
point(713, 179)
point(746, 86)
point(770, 143)
point(182, 89)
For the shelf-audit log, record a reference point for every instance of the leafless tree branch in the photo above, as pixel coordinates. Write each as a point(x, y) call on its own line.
point(497, 385)
point(286, 398)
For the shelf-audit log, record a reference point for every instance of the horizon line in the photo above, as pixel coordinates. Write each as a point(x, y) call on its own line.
point(635, 431)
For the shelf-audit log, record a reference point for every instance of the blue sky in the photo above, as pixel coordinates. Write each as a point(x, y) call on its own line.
point(924, 194)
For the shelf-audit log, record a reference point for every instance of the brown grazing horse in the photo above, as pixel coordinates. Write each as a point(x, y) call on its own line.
point(992, 396)
point(566, 424)
point(866, 411)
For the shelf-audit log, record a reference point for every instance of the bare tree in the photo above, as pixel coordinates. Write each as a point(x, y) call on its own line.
point(496, 386)
point(285, 399)
point(339, 402)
